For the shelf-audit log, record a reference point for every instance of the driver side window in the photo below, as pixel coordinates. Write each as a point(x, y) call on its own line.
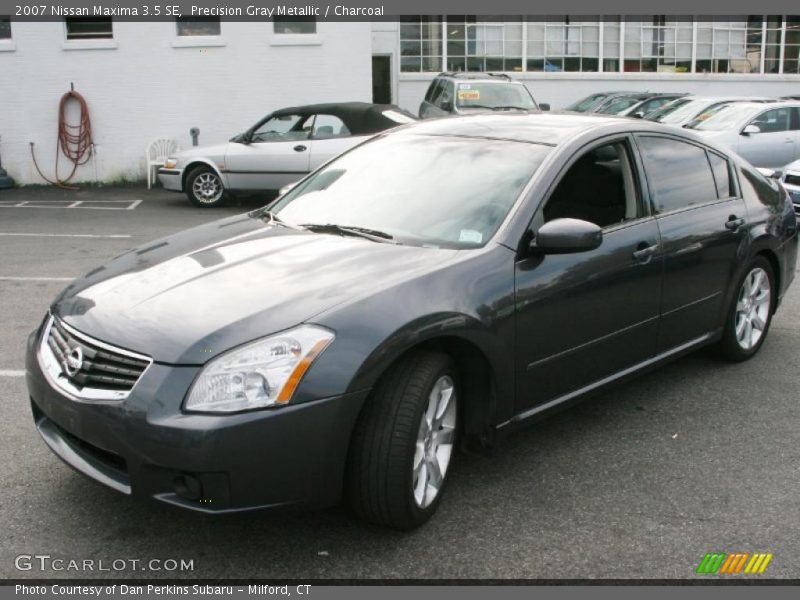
point(283, 128)
point(773, 121)
point(599, 187)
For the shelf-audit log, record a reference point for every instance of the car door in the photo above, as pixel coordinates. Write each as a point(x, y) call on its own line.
point(701, 218)
point(329, 138)
point(775, 144)
point(583, 317)
point(277, 152)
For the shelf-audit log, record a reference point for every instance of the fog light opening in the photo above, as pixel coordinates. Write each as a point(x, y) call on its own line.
point(188, 487)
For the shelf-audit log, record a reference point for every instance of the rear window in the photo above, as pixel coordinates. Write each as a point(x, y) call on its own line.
point(679, 173)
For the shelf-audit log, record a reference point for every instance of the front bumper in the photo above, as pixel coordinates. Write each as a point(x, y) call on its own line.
point(171, 179)
point(145, 446)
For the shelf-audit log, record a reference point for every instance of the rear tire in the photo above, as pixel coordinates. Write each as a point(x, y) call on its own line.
point(403, 442)
point(204, 188)
point(750, 314)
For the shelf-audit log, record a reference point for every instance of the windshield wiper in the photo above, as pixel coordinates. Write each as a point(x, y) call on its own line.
point(272, 219)
point(509, 107)
point(370, 234)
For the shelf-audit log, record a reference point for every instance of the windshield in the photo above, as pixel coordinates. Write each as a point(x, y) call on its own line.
point(490, 94)
point(586, 103)
point(720, 118)
point(423, 190)
point(619, 104)
point(661, 114)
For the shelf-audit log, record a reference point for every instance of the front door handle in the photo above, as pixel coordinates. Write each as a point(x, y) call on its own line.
point(644, 253)
point(733, 223)
point(300, 148)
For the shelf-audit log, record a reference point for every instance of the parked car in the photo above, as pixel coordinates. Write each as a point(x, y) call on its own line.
point(466, 93)
point(594, 101)
point(432, 289)
point(281, 148)
point(766, 134)
point(790, 97)
point(684, 110)
point(790, 175)
point(636, 105)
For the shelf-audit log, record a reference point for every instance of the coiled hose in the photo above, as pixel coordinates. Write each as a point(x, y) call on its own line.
point(74, 141)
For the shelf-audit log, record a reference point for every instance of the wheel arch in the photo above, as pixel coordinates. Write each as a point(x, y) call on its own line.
point(478, 379)
point(201, 162)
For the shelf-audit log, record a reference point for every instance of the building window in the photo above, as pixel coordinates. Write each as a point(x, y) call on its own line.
point(658, 44)
point(791, 52)
point(730, 46)
point(420, 44)
point(663, 45)
point(5, 28)
point(294, 25)
point(485, 45)
point(198, 26)
point(564, 44)
point(89, 28)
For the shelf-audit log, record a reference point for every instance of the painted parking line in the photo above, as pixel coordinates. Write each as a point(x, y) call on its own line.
point(13, 278)
point(73, 204)
point(11, 373)
point(65, 235)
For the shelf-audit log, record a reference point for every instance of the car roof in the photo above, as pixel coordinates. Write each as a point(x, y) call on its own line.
point(359, 117)
point(547, 128)
point(483, 75)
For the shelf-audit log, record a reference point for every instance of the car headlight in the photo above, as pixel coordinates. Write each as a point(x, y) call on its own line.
point(171, 163)
point(259, 374)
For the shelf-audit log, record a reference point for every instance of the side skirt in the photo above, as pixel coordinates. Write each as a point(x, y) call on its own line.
point(538, 412)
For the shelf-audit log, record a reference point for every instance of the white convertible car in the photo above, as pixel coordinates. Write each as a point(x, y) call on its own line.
point(278, 150)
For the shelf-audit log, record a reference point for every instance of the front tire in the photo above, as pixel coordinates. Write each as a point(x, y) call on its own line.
point(750, 313)
point(204, 188)
point(404, 441)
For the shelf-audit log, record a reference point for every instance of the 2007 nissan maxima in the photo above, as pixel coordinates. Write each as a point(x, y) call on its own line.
point(429, 290)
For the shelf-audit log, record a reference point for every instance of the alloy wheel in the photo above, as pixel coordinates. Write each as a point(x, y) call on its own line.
point(752, 308)
point(435, 439)
point(207, 188)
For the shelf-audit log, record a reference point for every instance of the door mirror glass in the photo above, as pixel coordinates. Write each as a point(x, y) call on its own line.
point(446, 106)
point(750, 129)
point(544, 106)
point(565, 236)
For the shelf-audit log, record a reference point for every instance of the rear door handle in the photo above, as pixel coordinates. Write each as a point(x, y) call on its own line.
point(644, 253)
point(300, 148)
point(733, 223)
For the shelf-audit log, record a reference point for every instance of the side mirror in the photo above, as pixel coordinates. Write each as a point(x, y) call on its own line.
point(770, 173)
point(565, 236)
point(447, 105)
point(638, 115)
point(544, 106)
point(750, 129)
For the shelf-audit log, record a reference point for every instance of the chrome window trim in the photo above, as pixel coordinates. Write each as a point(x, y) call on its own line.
point(55, 376)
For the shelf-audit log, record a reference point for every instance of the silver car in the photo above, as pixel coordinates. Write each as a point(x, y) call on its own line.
point(280, 149)
point(791, 181)
point(684, 110)
point(766, 134)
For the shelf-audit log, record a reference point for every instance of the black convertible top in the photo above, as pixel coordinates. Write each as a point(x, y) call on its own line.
point(360, 117)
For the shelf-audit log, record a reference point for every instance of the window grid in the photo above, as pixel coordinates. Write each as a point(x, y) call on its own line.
point(758, 44)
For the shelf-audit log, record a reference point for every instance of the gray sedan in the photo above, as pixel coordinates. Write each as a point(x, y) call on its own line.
point(766, 134)
point(280, 149)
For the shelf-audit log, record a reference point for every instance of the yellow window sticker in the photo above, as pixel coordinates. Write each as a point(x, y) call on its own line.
point(469, 94)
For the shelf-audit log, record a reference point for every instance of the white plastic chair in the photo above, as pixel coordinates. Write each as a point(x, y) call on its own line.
point(156, 155)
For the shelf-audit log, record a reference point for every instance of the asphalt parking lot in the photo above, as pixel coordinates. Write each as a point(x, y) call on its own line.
point(641, 482)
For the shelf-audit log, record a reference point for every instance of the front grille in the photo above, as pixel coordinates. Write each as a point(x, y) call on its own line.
point(87, 367)
point(791, 179)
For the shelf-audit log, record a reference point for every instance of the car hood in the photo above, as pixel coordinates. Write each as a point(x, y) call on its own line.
point(187, 298)
point(793, 166)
